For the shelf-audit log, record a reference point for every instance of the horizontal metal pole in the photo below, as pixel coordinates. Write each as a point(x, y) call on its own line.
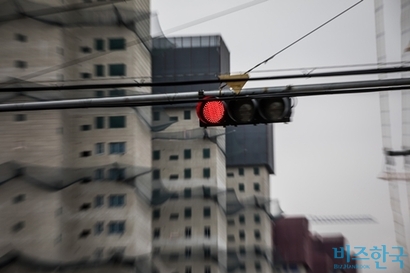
point(185, 97)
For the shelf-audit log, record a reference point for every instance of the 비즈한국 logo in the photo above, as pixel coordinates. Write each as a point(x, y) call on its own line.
point(378, 255)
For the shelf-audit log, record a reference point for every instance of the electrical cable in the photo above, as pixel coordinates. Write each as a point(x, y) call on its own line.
point(304, 36)
point(181, 83)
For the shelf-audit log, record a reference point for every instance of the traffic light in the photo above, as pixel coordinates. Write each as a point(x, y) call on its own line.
point(213, 112)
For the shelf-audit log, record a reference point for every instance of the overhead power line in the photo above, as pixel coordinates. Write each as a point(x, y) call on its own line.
point(182, 83)
point(304, 36)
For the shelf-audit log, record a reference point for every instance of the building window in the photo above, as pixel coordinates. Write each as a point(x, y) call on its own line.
point(241, 171)
point(156, 116)
point(258, 250)
point(156, 213)
point(207, 172)
point(99, 174)
point(116, 44)
point(187, 213)
point(207, 212)
point(86, 127)
point(116, 174)
point(174, 118)
point(207, 192)
point(187, 154)
point(257, 234)
point(117, 69)
point(173, 157)
point(99, 148)
point(187, 193)
point(117, 227)
point(99, 44)
point(174, 216)
point(242, 235)
point(19, 226)
point(156, 174)
point(117, 93)
point(19, 198)
point(156, 155)
point(20, 117)
point(241, 187)
point(156, 194)
point(257, 218)
point(188, 252)
point(99, 122)
point(99, 70)
point(206, 153)
point(20, 64)
point(242, 219)
point(85, 75)
point(256, 186)
point(188, 232)
point(173, 177)
point(84, 49)
point(242, 267)
point(99, 201)
point(231, 222)
point(207, 252)
point(117, 200)
point(230, 175)
point(242, 250)
point(207, 269)
point(20, 37)
point(188, 269)
point(98, 228)
point(187, 173)
point(231, 238)
point(258, 266)
point(117, 122)
point(157, 233)
point(99, 94)
point(207, 232)
point(85, 154)
point(256, 171)
point(117, 147)
point(187, 114)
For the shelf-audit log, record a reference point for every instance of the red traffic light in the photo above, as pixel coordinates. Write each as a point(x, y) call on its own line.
point(211, 112)
point(243, 111)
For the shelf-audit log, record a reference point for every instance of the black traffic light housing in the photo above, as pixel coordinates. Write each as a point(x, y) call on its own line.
point(213, 112)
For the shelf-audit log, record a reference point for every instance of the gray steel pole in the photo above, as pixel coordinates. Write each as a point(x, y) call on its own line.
point(176, 98)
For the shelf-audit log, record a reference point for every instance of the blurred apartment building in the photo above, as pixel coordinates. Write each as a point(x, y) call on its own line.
point(68, 197)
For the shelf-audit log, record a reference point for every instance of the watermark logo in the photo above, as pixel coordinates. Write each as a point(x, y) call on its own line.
point(378, 255)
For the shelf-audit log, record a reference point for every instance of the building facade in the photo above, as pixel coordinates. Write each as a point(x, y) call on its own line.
point(68, 177)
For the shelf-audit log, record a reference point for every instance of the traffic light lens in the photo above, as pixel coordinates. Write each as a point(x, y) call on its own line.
point(242, 111)
point(213, 111)
point(273, 109)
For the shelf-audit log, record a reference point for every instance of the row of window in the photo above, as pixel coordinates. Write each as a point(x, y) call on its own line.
point(207, 232)
point(114, 174)
point(206, 173)
point(114, 227)
point(114, 148)
point(241, 172)
point(256, 219)
point(113, 44)
point(256, 187)
point(206, 191)
point(207, 269)
point(156, 213)
point(206, 153)
point(114, 122)
point(114, 200)
point(113, 71)
point(256, 233)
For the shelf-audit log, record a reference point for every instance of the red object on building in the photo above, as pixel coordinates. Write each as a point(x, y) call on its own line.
point(294, 244)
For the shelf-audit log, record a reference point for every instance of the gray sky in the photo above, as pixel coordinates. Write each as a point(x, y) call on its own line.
point(328, 159)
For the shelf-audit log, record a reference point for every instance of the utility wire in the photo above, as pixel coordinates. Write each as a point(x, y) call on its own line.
point(136, 42)
point(301, 38)
point(181, 83)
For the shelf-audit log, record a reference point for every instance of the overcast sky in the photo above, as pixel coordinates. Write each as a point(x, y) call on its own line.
point(327, 160)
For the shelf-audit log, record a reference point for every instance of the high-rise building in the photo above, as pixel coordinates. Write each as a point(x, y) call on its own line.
point(68, 197)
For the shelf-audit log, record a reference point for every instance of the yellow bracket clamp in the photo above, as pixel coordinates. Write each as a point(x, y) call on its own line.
point(234, 85)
